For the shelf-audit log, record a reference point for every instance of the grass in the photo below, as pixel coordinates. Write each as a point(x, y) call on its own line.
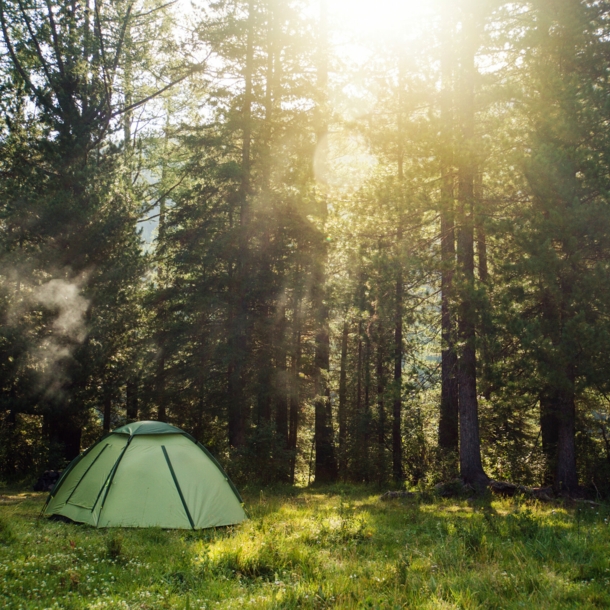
point(336, 547)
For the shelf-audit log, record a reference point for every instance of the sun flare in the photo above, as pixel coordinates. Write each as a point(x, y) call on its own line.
point(379, 17)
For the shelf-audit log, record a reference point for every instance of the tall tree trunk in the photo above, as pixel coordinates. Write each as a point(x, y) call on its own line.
point(281, 381)
point(160, 387)
point(325, 461)
point(381, 416)
point(483, 268)
point(132, 400)
point(343, 402)
point(566, 478)
point(367, 414)
point(359, 375)
point(360, 455)
point(483, 272)
point(64, 433)
point(549, 431)
point(127, 87)
point(448, 434)
point(238, 346)
point(293, 424)
point(267, 374)
point(160, 378)
point(280, 391)
point(270, 91)
point(9, 426)
point(471, 467)
point(397, 470)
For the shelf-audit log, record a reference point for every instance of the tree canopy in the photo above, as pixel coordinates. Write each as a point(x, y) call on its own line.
point(330, 240)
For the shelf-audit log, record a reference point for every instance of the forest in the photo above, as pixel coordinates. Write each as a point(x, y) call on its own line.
point(334, 241)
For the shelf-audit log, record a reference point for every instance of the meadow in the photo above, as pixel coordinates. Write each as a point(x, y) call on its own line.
point(327, 547)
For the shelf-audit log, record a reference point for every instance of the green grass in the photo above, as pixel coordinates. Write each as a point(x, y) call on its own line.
point(338, 547)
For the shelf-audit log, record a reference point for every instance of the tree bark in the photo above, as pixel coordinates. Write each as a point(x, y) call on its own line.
point(238, 344)
point(397, 470)
point(280, 393)
point(549, 431)
point(281, 385)
point(325, 460)
point(381, 416)
point(483, 267)
point(448, 434)
point(160, 386)
point(471, 467)
point(131, 400)
point(566, 479)
point(162, 334)
point(64, 433)
point(293, 424)
point(367, 414)
point(343, 402)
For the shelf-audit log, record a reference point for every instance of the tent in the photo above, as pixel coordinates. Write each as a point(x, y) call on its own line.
point(146, 474)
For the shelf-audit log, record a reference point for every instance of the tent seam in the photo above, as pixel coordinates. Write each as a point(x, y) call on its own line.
point(217, 464)
point(85, 473)
point(109, 480)
point(67, 471)
point(171, 469)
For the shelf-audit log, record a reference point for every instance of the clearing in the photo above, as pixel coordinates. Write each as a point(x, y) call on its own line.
point(328, 547)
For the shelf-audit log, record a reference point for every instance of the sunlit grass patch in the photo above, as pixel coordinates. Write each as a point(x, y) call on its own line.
point(338, 547)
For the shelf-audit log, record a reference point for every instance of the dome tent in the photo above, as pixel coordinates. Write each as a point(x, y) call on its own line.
point(146, 474)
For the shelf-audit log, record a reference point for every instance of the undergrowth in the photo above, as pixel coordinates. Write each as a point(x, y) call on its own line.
point(334, 547)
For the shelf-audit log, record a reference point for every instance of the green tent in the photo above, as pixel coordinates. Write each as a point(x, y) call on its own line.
point(146, 474)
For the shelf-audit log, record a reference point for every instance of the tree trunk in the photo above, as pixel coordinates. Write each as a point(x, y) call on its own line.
point(238, 343)
point(343, 402)
point(293, 424)
point(397, 406)
point(471, 468)
point(160, 387)
point(9, 426)
point(448, 434)
point(131, 401)
point(481, 236)
point(270, 90)
point(325, 461)
point(397, 470)
point(367, 414)
point(162, 301)
point(64, 433)
point(280, 391)
point(566, 479)
point(549, 431)
point(281, 382)
point(381, 416)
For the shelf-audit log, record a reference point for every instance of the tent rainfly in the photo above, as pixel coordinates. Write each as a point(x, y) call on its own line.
point(146, 474)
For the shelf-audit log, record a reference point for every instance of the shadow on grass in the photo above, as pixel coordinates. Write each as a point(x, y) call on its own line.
point(341, 546)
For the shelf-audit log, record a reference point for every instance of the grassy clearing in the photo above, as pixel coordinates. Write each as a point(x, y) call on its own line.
point(338, 547)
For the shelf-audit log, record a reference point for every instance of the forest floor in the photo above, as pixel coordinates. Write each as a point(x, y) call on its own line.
point(330, 547)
